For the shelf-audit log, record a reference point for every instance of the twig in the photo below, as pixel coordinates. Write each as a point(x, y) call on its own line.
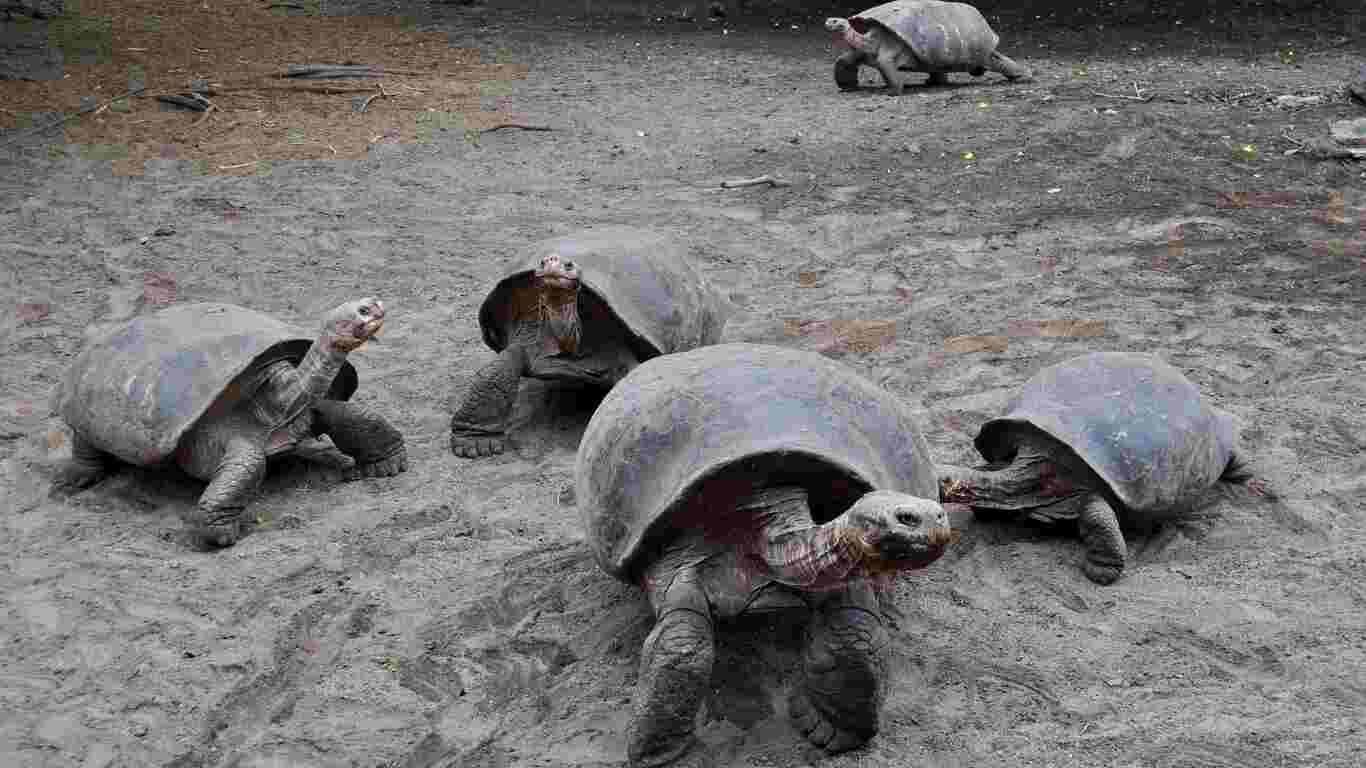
point(519, 126)
point(1138, 95)
point(69, 118)
point(366, 104)
point(765, 179)
point(239, 165)
point(344, 70)
point(286, 5)
point(209, 111)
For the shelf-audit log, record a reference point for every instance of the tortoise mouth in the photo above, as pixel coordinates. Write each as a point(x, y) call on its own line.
point(557, 279)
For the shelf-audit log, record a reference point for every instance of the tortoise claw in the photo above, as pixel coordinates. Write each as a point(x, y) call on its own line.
point(477, 446)
point(389, 466)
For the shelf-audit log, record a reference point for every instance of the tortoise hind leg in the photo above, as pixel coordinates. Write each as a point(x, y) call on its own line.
point(846, 70)
point(838, 702)
point(1008, 67)
point(220, 518)
point(891, 72)
point(479, 423)
point(364, 435)
point(88, 465)
point(675, 673)
point(1105, 549)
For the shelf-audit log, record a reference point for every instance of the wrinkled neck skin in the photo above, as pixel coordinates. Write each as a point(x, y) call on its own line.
point(286, 390)
point(789, 548)
point(1034, 478)
point(559, 311)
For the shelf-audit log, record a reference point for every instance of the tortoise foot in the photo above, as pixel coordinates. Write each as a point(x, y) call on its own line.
point(72, 480)
point(818, 730)
point(389, 466)
point(1102, 573)
point(225, 528)
point(477, 445)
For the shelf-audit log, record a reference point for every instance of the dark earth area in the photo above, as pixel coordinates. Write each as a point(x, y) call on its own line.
point(1150, 189)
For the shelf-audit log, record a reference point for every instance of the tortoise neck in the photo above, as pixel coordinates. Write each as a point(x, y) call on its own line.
point(1033, 478)
point(559, 311)
point(289, 390)
point(789, 547)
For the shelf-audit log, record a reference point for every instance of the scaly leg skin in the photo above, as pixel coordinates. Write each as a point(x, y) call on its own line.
point(886, 64)
point(220, 517)
point(1008, 67)
point(838, 702)
point(478, 425)
point(846, 70)
point(1105, 549)
point(88, 465)
point(675, 672)
point(364, 435)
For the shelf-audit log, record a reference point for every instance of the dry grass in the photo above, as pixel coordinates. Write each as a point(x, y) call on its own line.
point(240, 47)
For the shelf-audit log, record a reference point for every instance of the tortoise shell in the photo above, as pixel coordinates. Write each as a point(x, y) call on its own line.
point(135, 392)
point(1135, 420)
point(644, 278)
point(943, 36)
point(732, 418)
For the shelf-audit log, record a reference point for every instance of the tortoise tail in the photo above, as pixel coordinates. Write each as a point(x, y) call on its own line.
point(1238, 471)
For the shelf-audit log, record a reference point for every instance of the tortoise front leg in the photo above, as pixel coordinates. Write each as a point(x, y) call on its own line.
point(675, 672)
point(1008, 67)
point(837, 704)
point(846, 70)
point(1105, 550)
point(220, 518)
point(88, 465)
point(938, 78)
point(364, 435)
point(478, 426)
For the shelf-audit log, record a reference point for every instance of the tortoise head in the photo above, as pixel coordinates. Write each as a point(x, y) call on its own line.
point(557, 273)
point(354, 323)
point(845, 33)
point(895, 531)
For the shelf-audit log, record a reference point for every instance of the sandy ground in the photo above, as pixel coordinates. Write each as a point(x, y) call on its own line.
point(451, 617)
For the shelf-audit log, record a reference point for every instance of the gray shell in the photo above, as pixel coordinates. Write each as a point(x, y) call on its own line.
point(944, 37)
point(1140, 424)
point(136, 392)
point(643, 277)
point(748, 412)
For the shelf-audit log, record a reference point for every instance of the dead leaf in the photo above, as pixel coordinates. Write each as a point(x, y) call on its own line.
point(960, 345)
point(158, 288)
point(33, 311)
point(1057, 328)
point(838, 336)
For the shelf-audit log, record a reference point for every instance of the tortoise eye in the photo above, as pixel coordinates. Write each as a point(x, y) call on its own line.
point(569, 265)
point(364, 311)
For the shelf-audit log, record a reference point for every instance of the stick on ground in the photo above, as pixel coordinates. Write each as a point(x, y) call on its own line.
point(754, 182)
point(69, 118)
point(519, 126)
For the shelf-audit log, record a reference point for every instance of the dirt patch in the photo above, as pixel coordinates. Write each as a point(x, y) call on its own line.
point(120, 56)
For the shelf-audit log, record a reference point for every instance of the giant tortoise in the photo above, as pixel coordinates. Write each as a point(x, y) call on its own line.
point(584, 308)
point(918, 36)
point(1100, 438)
point(742, 478)
point(218, 389)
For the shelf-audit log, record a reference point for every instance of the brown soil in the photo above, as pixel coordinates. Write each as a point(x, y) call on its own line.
point(947, 244)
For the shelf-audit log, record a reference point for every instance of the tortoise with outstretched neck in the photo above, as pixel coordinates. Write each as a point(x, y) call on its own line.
point(743, 478)
point(584, 308)
point(218, 389)
point(1101, 439)
point(918, 36)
